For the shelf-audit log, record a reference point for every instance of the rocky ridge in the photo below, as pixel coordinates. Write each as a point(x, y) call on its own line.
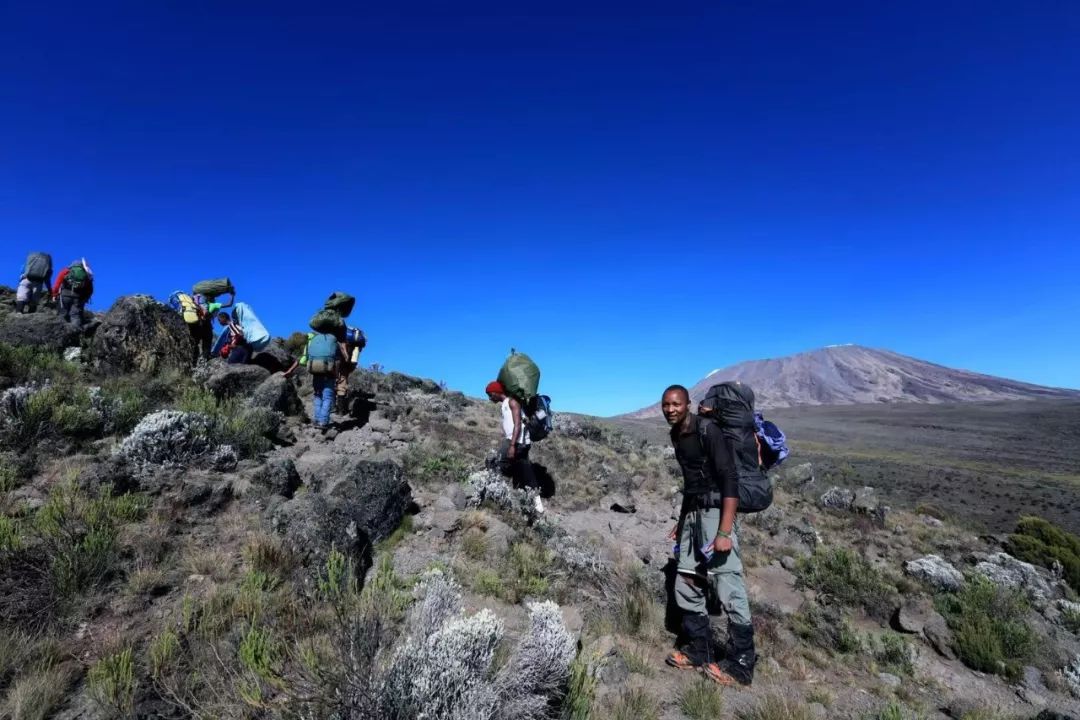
point(234, 550)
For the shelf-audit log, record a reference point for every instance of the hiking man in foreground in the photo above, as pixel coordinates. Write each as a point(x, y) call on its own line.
point(74, 286)
point(707, 547)
point(515, 443)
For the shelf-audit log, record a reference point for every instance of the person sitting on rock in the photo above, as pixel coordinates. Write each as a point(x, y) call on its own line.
point(707, 549)
point(73, 287)
point(515, 442)
point(236, 350)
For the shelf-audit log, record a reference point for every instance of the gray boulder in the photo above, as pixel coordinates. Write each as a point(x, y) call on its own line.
point(139, 334)
point(312, 524)
point(837, 499)
point(866, 502)
point(935, 572)
point(279, 477)
point(914, 614)
point(793, 475)
point(1005, 571)
point(278, 393)
point(939, 636)
point(275, 357)
point(375, 491)
point(226, 380)
point(43, 329)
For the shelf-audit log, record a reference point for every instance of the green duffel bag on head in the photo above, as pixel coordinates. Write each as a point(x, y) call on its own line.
point(327, 321)
point(520, 377)
point(212, 288)
point(341, 303)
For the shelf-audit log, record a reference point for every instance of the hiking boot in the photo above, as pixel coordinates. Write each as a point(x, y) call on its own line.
point(740, 657)
point(680, 661)
point(722, 674)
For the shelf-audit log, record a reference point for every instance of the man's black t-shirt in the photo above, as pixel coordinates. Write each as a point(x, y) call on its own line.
point(707, 463)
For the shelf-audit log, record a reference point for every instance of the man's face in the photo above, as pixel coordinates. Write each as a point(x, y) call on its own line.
point(675, 406)
point(494, 397)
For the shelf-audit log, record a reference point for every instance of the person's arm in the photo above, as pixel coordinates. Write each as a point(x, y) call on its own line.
point(515, 412)
point(723, 465)
point(59, 282)
point(291, 369)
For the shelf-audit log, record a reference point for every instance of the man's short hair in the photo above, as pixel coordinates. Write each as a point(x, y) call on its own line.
point(679, 388)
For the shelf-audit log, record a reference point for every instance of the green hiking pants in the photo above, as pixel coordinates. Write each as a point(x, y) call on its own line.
point(723, 574)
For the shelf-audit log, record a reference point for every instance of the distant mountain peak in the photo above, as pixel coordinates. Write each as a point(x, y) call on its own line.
point(851, 374)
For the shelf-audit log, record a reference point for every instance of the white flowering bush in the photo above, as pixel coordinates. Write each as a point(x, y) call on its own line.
point(167, 437)
point(1071, 672)
point(442, 669)
point(489, 486)
point(539, 668)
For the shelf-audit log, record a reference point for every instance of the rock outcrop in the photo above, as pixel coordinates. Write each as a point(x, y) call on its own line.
point(139, 334)
point(43, 329)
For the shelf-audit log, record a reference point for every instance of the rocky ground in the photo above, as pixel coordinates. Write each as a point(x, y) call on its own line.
point(179, 543)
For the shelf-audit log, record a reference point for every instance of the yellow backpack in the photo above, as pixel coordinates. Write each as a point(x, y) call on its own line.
point(187, 307)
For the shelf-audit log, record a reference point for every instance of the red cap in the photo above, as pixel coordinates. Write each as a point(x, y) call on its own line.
point(495, 387)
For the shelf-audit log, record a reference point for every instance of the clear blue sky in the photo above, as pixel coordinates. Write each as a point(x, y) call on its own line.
point(633, 193)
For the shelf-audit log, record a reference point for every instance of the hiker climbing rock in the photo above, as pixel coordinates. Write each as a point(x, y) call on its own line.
point(515, 443)
point(236, 350)
point(73, 288)
point(331, 319)
point(323, 356)
point(33, 282)
point(707, 549)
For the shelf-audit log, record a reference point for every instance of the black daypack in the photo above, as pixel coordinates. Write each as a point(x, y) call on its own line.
point(731, 406)
point(538, 417)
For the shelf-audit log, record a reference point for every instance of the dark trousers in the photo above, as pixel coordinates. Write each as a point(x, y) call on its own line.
point(202, 340)
point(239, 355)
point(71, 309)
point(520, 469)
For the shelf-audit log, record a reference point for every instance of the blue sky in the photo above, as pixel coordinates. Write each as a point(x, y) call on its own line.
point(634, 195)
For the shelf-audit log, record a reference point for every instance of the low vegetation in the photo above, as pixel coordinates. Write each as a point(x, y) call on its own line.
point(1040, 542)
point(701, 699)
point(635, 703)
point(990, 627)
point(842, 576)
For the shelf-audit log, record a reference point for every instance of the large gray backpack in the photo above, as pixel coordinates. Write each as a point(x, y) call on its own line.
point(38, 267)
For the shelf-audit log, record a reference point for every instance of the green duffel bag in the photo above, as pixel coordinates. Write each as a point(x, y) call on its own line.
point(212, 288)
point(520, 377)
point(341, 303)
point(327, 321)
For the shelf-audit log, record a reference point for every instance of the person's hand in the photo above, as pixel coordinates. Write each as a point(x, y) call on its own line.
point(674, 532)
point(722, 544)
point(510, 453)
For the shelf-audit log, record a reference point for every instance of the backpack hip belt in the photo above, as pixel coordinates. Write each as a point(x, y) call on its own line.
point(711, 500)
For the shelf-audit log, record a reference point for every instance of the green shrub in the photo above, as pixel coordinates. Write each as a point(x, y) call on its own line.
point(260, 654)
point(892, 711)
point(10, 535)
point(827, 628)
point(581, 688)
point(636, 611)
point(164, 651)
point(1041, 542)
point(9, 475)
point(23, 364)
point(847, 578)
point(445, 465)
point(701, 700)
point(892, 651)
point(234, 423)
point(776, 707)
point(401, 532)
point(78, 534)
point(112, 682)
point(636, 704)
point(990, 629)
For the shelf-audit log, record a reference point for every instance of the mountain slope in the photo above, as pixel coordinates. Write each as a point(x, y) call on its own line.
point(851, 374)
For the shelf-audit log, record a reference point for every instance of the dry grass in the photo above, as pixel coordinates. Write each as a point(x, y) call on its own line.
point(776, 706)
point(37, 693)
point(209, 562)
